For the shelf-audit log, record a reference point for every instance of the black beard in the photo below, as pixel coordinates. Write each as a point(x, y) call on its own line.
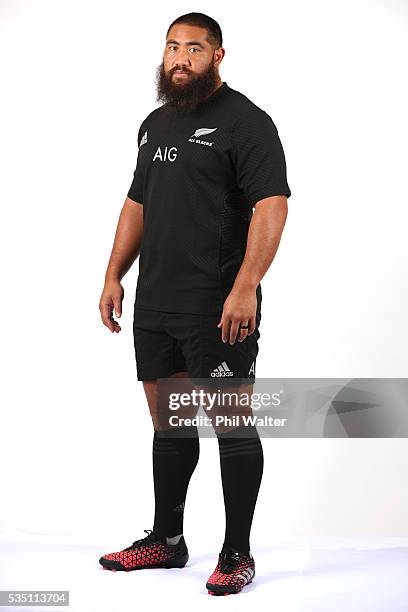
point(186, 96)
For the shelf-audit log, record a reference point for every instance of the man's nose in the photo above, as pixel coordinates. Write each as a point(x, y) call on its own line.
point(182, 58)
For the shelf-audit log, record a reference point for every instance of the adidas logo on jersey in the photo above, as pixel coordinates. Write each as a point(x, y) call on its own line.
point(144, 139)
point(202, 132)
point(222, 370)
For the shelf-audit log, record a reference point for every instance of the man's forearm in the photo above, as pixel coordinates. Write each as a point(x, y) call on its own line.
point(127, 242)
point(263, 240)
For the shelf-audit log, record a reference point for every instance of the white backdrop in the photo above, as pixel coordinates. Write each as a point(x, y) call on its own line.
point(77, 79)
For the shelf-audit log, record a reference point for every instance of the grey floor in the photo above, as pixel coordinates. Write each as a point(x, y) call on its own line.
point(307, 575)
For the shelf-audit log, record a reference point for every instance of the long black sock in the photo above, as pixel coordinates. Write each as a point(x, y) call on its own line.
point(175, 456)
point(241, 460)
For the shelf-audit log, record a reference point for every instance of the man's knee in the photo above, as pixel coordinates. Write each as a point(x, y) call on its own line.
point(158, 393)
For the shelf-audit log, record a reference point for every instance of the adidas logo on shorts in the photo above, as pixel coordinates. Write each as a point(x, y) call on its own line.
point(222, 370)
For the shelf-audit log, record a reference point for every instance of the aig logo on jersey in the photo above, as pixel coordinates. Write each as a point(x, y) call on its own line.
point(202, 132)
point(167, 154)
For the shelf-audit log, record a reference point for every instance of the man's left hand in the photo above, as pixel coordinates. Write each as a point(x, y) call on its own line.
point(239, 309)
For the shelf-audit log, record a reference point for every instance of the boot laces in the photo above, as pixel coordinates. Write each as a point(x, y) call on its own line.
point(149, 539)
point(228, 561)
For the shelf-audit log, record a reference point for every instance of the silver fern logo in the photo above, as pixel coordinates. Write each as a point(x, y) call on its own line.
point(202, 132)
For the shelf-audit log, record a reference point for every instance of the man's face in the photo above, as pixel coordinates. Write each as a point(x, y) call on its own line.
point(189, 71)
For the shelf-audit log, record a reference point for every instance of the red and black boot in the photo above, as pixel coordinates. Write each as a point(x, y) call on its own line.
point(234, 570)
point(148, 552)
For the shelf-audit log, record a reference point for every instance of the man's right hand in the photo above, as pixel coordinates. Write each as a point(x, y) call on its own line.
point(111, 299)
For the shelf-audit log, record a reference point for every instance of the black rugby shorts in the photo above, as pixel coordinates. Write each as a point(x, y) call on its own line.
point(167, 342)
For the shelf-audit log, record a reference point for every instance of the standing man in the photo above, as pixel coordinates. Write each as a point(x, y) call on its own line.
point(205, 210)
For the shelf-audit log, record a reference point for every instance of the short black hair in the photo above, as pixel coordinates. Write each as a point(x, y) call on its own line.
point(203, 21)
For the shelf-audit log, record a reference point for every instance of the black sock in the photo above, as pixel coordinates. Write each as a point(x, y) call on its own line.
point(175, 456)
point(241, 460)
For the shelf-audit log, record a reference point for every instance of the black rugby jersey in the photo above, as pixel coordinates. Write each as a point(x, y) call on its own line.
point(198, 175)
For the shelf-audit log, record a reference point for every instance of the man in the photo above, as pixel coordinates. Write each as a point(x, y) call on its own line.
point(207, 158)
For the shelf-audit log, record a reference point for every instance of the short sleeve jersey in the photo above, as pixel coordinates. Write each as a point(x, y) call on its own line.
point(198, 176)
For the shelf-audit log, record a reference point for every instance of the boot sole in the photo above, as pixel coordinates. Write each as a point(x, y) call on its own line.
point(223, 590)
point(116, 566)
